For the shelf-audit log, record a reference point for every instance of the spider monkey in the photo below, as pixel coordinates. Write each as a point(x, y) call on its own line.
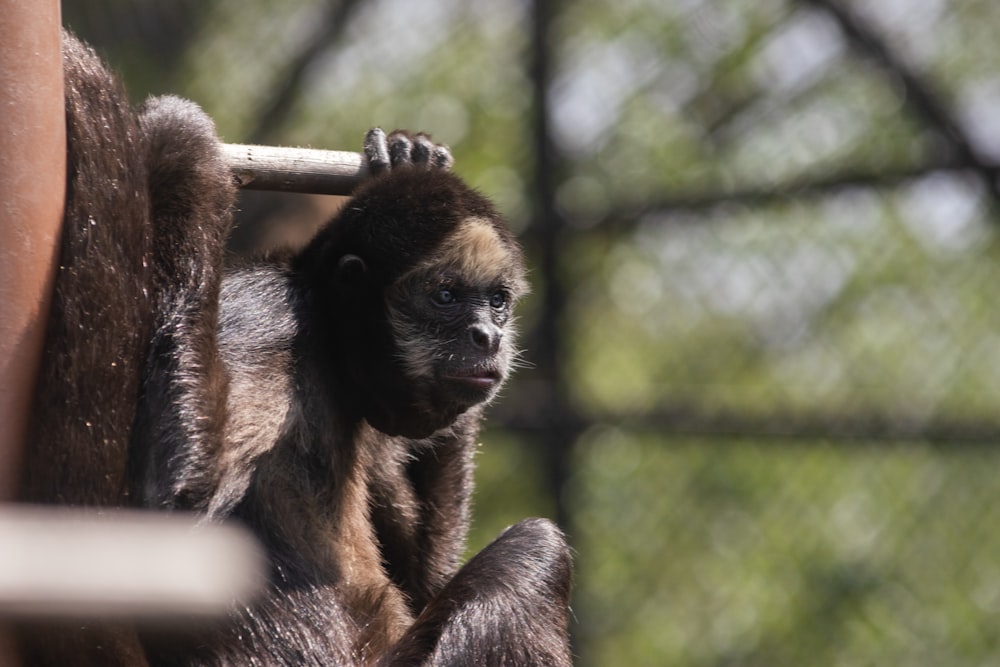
point(328, 398)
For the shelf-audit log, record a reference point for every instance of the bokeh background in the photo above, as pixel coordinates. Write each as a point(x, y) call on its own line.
point(764, 338)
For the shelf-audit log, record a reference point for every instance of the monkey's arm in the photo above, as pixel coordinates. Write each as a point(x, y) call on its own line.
point(178, 431)
point(421, 509)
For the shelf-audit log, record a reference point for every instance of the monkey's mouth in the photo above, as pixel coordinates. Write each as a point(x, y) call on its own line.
point(475, 379)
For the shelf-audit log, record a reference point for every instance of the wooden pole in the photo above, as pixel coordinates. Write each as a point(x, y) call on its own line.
point(304, 170)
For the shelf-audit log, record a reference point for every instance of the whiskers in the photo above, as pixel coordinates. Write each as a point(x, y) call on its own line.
point(518, 362)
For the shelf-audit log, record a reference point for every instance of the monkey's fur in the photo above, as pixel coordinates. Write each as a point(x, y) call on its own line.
point(329, 399)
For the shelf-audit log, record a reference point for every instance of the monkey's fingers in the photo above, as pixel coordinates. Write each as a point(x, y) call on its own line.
point(376, 149)
point(441, 158)
point(422, 148)
point(428, 155)
point(400, 149)
point(418, 150)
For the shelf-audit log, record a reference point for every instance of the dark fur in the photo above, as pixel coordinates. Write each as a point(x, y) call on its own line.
point(280, 394)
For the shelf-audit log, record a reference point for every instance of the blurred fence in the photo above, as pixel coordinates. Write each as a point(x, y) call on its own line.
point(764, 335)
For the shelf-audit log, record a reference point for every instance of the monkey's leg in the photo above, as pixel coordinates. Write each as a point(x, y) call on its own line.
point(179, 427)
point(509, 605)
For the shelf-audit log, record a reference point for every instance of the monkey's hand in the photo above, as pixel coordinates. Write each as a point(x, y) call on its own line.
point(403, 149)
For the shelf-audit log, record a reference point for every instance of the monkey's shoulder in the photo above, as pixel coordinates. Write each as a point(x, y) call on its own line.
point(256, 333)
point(258, 306)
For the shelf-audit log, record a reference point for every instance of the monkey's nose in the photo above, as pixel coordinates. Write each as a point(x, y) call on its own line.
point(486, 337)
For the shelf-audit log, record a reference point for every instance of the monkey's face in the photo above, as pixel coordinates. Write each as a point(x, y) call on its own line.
point(417, 278)
point(452, 321)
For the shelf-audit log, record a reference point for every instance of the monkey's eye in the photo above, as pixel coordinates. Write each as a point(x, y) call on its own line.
point(444, 296)
point(498, 300)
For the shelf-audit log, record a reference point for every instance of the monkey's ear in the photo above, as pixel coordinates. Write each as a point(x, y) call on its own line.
point(351, 271)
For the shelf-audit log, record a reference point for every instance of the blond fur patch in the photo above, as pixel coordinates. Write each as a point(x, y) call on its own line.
point(476, 252)
point(475, 249)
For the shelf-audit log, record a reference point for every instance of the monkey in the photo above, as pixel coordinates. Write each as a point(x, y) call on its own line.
point(329, 398)
point(357, 370)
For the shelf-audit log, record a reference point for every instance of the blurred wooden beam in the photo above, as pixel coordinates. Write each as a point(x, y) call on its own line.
point(62, 563)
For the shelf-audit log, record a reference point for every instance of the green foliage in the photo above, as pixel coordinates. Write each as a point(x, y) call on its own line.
point(749, 553)
point(861, 303)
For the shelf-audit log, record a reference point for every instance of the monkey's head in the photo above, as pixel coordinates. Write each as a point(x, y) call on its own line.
point(416, 280)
